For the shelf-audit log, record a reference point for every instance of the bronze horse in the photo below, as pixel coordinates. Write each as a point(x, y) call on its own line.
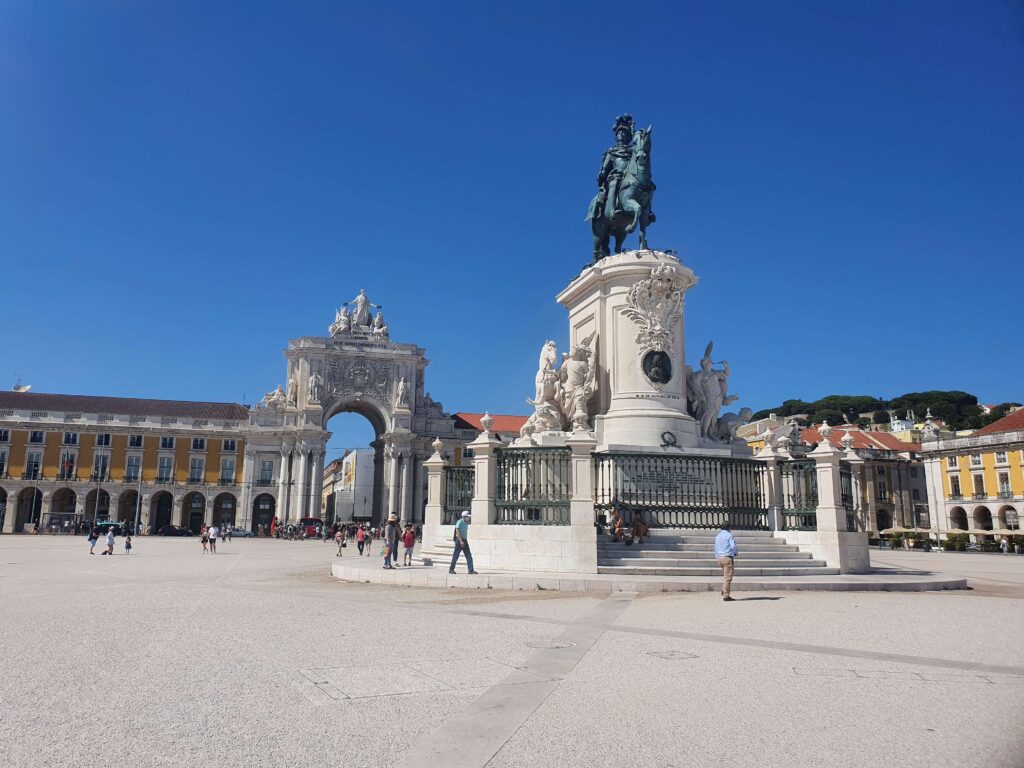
point(633, 207)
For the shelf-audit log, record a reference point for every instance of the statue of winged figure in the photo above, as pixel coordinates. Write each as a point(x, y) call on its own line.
point(578, 381)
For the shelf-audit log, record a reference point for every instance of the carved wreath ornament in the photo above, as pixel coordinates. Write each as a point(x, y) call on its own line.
point(656, 306)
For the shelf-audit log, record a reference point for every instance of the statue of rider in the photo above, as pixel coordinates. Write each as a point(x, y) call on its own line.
point(613, 166)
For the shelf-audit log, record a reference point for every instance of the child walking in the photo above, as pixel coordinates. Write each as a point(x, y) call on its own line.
point(128, 544)
point(409, 541)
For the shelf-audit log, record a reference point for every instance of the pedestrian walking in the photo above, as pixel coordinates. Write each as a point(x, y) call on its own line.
point(214, 533)
point(391, 542)
point(339, 539)
point(725, 553)
point(369, 541)
point(408, 541)
point(204, 538)
point(360, 539)
point(461, 539)
point(128, 544)
point(94, 535)
point(110, 542)
point(1004, 544)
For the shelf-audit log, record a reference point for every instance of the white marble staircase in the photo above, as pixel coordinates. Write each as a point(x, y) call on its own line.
point(673, 552)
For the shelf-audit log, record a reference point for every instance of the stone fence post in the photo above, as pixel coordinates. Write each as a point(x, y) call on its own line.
point(485, 478)
point(581, 505)
point(435, 466)
point(848, 551)
point(773, 498)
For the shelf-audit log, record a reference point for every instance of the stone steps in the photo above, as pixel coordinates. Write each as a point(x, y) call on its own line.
point(640, 570)
point(747, 562)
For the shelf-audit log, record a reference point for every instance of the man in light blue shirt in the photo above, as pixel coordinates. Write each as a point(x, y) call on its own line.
point(461, 540)
point(725, 553)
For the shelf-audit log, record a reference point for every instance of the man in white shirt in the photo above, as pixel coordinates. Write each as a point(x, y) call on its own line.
point(725, 553)
point(214, 533)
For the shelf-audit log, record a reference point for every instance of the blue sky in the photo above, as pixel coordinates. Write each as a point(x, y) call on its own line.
point(189, 185)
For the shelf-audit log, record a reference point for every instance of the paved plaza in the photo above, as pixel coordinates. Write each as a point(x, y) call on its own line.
point(258, 657)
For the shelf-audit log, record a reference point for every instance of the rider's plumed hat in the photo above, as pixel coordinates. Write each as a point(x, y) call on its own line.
point(623, 121)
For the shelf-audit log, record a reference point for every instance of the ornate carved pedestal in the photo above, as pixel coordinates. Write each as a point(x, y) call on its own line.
point(634, 301)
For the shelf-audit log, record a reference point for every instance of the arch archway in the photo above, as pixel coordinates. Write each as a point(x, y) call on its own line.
point(127, 507)
point(224, 509)
point(359, 484)
point(161, 510)
point(264, 508)
point(193, 511)
point(982, 519)
point(30, 504)
point(94, 511)
point(884, 519)
point(62, 510)
point(958, 518)
point(1009, 517)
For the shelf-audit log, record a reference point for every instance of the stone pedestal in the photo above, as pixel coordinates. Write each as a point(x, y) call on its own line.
point(634, 302)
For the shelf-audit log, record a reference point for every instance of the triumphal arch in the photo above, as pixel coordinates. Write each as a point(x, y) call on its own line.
point(356, 368)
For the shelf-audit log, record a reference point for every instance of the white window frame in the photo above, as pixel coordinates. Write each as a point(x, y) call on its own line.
point(70, 438)
point(229, 449)
point(168, 462)
point(37, 462)
point(1001, 457)
point(953, 462)
point(102, 439)
point(270, 475)
point(193, 477)
point(229, 476)
point(132, 441)
point(167, 443)
point(32, 437)
point(101, 458)
point(5, 435)
point(129, 476)
point(3, 462)
point(198, 443)
point(975, 459)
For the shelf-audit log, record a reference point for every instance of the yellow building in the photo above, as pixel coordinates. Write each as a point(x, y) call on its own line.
point(69, 460)
point(976, 483)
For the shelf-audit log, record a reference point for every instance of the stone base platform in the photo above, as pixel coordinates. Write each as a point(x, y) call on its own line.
point(368, 570)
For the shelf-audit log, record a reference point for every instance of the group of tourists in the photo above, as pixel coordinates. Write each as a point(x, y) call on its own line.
point(108, 541)
point(210, 535)
point(394, 536)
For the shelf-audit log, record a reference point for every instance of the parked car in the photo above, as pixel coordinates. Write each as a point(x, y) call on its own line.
point(310, 526)
point(174, 530)
point(241, 532)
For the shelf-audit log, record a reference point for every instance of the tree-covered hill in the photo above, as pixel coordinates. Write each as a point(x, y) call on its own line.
point(960, 410)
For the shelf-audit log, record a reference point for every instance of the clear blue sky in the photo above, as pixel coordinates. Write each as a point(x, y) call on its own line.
point(186, 186)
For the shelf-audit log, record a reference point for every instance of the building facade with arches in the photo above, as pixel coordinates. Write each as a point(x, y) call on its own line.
point(69, 460)
point(976, 483)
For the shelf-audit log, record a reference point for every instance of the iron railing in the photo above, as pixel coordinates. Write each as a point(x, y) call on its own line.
point(683, 491)
point(534, 486)
point(799, 495)
point(458, 492)
point(846, 495)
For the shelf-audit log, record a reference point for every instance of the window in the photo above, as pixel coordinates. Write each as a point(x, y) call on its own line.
point(134, 441)
point(913, 471)
point(70, 438)
point(266, 472)
point(198, 443)
point(1004, 484)
point(3, 463)
point(195, 469)
point(103, 440)
point(101, 466)
point(167, 443)
point(915, 494)
point(67, 466)
point(952, 462)
point(36, 437)
point(198, 502)
point(5, 435)
point(881, 471)
point(979, 487)
point(132, 468)
point(229, 446)
point(954, 488)
point(32, 463)
point(227, 470)
point(164, 468)
point(1001, 457)
point(467, 453)
point(975, 459)
point(883, 491)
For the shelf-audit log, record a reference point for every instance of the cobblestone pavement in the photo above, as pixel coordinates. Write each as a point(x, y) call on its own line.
point(257, 657)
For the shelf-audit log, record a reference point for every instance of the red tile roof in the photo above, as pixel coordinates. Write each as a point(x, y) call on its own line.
point(862, 438)
point(123, 406)
point(1009, 423)
point(502, 423)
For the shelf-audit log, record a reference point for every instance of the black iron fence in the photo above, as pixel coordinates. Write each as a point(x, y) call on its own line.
point(681, 491)
point(799, 495)
point(534, 486)
point(846, 495)
point(458, 492)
